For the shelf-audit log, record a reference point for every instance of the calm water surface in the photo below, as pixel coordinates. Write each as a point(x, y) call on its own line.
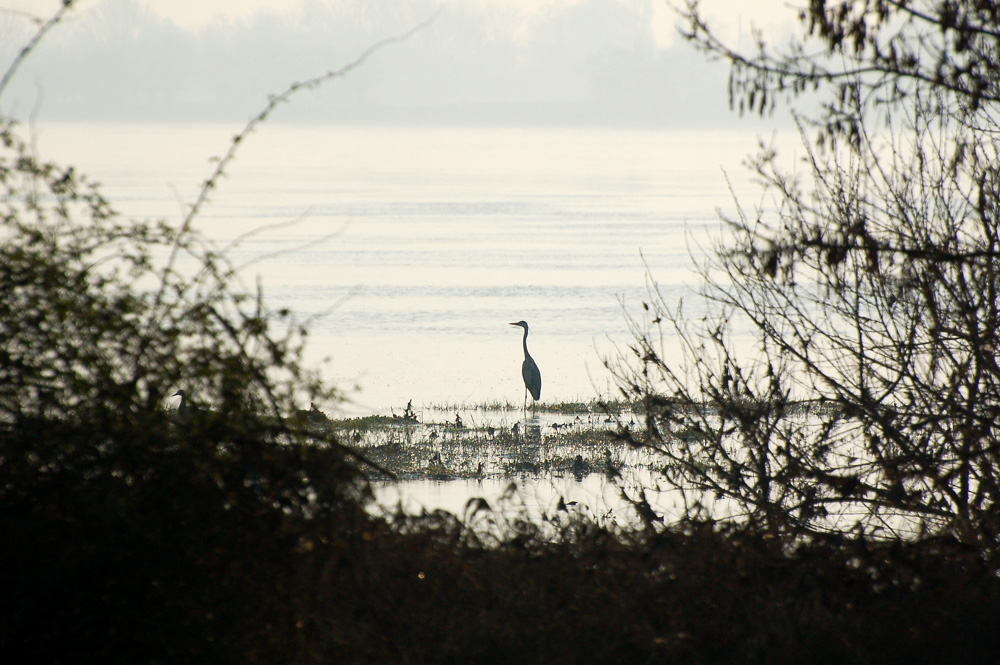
point(537, 499)
point(413, 248)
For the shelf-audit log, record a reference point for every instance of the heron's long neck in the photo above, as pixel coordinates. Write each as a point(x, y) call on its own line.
point(524, 342)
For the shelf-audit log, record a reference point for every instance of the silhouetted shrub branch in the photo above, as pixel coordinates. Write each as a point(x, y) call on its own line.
point(846, 376)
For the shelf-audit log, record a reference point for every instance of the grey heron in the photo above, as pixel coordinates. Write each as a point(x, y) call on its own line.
point(529, 370)
point(185, 409)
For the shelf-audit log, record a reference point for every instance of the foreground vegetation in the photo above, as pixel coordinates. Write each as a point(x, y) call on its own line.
point(212, 586)
point(236, 529)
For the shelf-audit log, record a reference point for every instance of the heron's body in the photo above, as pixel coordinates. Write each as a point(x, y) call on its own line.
point(529, 370)
point(532, 378)
point(185, 409)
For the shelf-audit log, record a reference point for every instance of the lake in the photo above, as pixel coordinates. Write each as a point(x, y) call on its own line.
point(413, 248)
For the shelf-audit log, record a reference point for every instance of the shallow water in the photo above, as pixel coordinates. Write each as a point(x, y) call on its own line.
point(537, 499)
point(413, 248)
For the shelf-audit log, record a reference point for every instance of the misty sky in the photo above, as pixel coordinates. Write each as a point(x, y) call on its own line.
point(508, 61)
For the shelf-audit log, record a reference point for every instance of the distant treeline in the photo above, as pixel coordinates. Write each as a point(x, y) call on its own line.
point(588, 62)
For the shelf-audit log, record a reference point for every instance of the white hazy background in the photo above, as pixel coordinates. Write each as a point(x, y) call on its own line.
point(485, 61)
point(510, 161)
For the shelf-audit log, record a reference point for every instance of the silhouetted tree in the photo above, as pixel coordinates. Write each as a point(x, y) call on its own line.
point(848, 377)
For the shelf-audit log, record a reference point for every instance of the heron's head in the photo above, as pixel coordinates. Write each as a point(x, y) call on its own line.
point(521, 324)
point(179, 393)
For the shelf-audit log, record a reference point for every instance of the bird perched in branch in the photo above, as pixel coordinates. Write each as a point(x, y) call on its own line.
point(529, 370)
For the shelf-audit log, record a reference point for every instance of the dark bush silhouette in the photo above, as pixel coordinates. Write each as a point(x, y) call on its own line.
point(130, 529)
point(117, 512)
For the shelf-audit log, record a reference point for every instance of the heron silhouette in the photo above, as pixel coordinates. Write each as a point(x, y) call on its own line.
point(529, 371)
point(185, 409)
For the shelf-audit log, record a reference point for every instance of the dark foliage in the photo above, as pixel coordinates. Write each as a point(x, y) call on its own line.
point(131, 529)
point(222, 588)
point(696, 594)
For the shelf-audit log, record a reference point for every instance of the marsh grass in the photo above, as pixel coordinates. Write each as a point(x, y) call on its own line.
point(446, 442)
point(597, 405)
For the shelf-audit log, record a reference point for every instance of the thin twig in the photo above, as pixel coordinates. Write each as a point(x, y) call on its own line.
point(29, 47)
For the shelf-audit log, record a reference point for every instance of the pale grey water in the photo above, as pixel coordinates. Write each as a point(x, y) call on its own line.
point(440, 238)
point(594, 496)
